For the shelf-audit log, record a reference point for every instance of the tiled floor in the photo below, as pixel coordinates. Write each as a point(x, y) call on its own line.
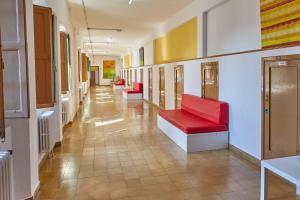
point(114, 150)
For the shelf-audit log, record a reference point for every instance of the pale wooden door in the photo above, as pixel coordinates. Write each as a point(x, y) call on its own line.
point(14, 54)
point(179, 86)
point(150, 85)
point(281, 106)
point(210, 87)
point(162, 100)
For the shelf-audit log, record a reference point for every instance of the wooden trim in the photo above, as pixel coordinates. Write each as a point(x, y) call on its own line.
point(45, 105)
point(2, 115)
point(226, 54)
point(26, 59)
point(244, 155)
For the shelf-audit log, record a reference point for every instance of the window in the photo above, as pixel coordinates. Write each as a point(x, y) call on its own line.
point(43, 57)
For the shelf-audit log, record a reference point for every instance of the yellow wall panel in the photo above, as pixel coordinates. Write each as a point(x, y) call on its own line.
point(127, 61)
point(180, 43)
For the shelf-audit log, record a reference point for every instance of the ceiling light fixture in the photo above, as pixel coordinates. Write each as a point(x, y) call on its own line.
point(130, 2)
point(105, 29)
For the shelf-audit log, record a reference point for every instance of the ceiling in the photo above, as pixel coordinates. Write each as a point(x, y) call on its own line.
point(137, 21)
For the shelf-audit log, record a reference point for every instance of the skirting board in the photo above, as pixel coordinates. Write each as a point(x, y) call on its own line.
point(245, 155)
point(194, 142)
point(132, 96)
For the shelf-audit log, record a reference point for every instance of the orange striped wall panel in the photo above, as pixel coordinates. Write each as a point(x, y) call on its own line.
point(280, 23)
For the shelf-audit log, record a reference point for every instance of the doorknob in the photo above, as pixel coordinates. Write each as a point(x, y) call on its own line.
point(266, 111)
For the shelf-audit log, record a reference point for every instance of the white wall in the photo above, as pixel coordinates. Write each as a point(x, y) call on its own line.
point(98, 61)
point(233, 26)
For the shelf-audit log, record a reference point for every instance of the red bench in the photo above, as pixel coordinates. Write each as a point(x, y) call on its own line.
point(134, 94)
point(200, 124)
point(119, 85)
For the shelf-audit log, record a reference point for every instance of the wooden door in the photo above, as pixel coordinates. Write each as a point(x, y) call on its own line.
point(210, 87)
point(162, 88)
point(179, 86)
point(2, 123)
point(135, 75)
point(84, 64)
point(150, 85)
point(43, 56)
point(141, 75)
point(130, 77)
point(280, 106)
point(127, 77)
point(64, 63)
point(93, 78)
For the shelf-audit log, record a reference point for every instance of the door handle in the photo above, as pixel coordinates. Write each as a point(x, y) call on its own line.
point(266, 111)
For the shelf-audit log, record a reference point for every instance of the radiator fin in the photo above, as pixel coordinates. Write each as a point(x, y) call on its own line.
point(5, 177)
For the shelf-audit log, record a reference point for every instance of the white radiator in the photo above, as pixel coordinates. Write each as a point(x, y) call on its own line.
point(65, 111)
point(46, 127)
point(5, 176)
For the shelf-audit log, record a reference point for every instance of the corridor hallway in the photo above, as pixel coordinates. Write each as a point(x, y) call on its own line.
point(114, 150)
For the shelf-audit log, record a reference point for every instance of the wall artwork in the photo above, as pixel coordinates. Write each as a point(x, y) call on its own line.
point(109, 69)
point(280, 23)
point(142, 56)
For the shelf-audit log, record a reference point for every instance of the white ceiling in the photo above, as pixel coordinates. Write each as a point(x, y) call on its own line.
point(137, 21)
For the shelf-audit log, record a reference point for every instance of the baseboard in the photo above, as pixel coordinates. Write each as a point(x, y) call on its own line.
point(58, 144)
point(152, 104)
point(36, 192)
point(245, 155)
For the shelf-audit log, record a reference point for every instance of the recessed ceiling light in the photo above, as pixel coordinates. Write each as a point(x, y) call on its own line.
point(130, 2)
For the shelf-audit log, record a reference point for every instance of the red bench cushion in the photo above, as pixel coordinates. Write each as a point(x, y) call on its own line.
point(137, 88)
point(121, 82)
point(214, 111)
point(189, 123)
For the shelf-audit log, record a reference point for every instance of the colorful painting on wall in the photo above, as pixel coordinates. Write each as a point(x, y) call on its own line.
point(142, 56)
point(280, 23)
point(109, 69)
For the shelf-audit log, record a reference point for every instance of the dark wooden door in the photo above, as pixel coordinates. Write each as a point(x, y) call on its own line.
point(93, 78)
point(2, 123)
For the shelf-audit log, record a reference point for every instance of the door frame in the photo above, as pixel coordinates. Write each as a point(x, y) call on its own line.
point(263, 93)
point(210, 64)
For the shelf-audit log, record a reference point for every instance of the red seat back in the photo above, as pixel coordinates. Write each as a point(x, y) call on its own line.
point(138, 86)
point(214, 111)
point(122, 81)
